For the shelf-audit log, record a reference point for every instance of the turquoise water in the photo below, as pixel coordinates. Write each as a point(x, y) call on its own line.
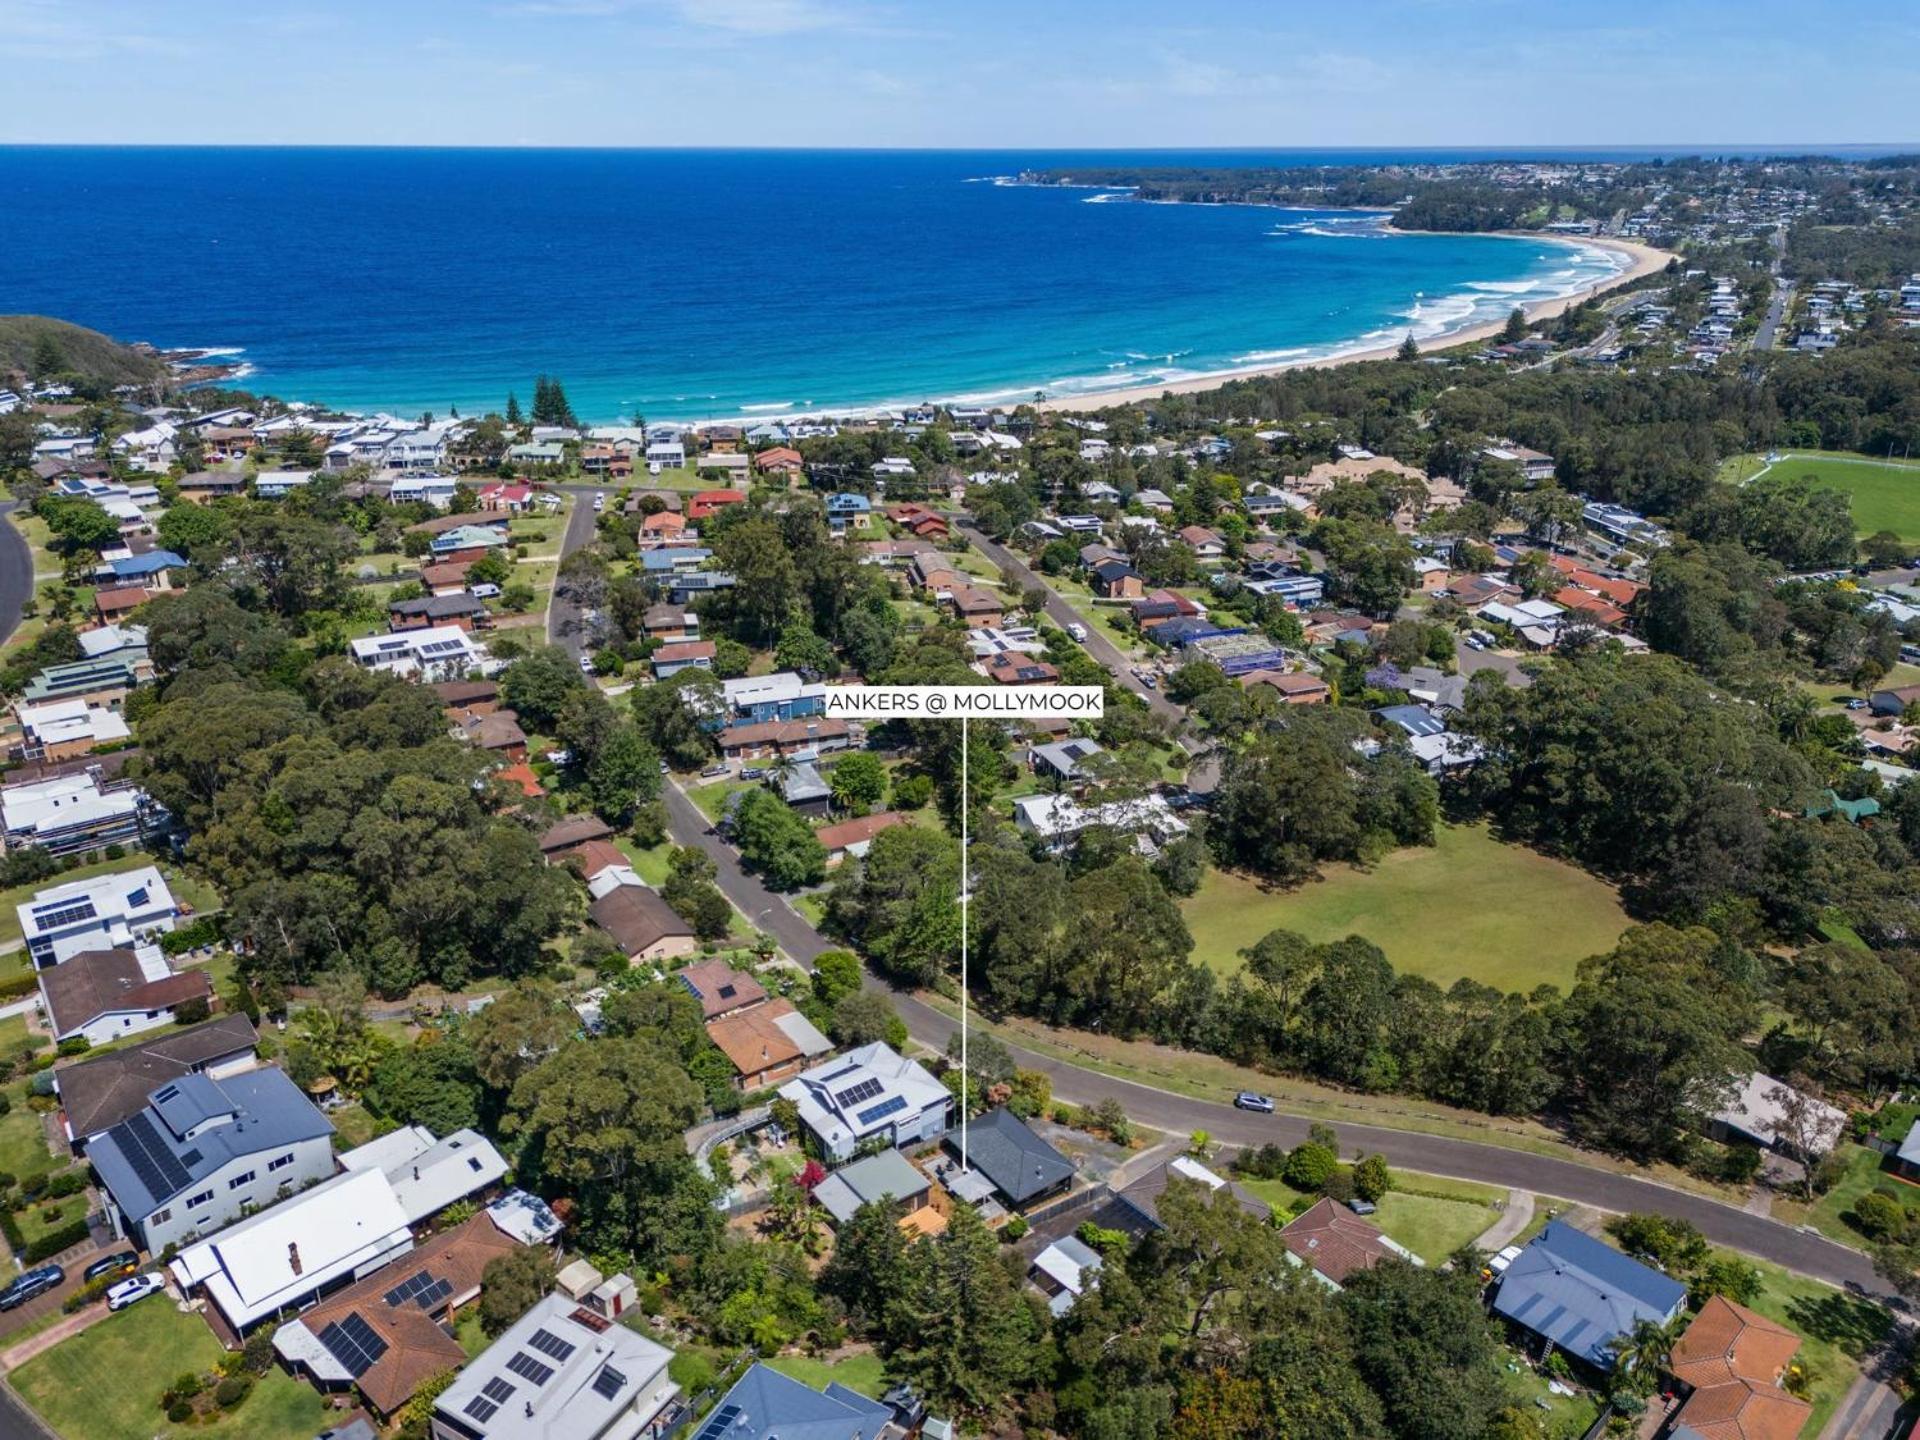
point(700, 284)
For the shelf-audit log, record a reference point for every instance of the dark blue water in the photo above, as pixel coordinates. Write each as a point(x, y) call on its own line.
point(690, 284)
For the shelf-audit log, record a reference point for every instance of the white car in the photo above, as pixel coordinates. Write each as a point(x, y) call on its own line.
point(586, 665)
point(599, 502)
point(1499, 1263)
point(1077, 631)
point(129, 1291)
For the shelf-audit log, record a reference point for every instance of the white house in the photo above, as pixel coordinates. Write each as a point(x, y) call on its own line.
point(1057, 819)
point(345, 1228)
point(103, 913)
point(107, 995)
point(203, 1152)
point(426, 1174)
point(869, 1094)
point(439, 652)
point(72, 813)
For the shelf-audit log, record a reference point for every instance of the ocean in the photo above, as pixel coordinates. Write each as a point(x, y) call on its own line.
point(695, 285)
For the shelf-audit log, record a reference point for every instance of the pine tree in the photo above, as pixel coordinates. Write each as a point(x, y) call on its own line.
point(1409, 348)
point(513, 409)
point(48, 361)
point(1516, 326)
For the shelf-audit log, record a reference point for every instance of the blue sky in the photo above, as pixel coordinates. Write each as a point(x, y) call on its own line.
point(986, 73)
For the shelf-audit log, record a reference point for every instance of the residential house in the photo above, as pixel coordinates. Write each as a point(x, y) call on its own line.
point(1063, 760)
point(467, 542)
point(462, 611)
point(513, 497)
point(1291, 687)
point(446, 579)
point(113, 603)
point(720, 989)
point(869, 1094)
point(666, 453)
point(574, 830)
point(851, 839)
point(805, 789)
point(813, 735)
point(308, 1243)
point(1775, 1116)
point(712, 502)
point(1116, 580)
point(67, 729)
point(1058, 820)
point(1023, 1168)
point(1206, 544)
point(1336, 1243)
point(767, 1044)
point(780, 460)
point(562, 1371)
point(669, 623)
point(1893, 702)
point(1140, 1199)
point(1065, 1271)
point(1730, 1365)
point(847, 510)
point(97, 1094)
point(437, 652)
point(643, 925)
point(670, 659)
point(979, 608)
point(107, 995)
point(662, 527)
point(1581, 1295)
point(919, 520)
point(154, 570)
point(1011, 669)
point(99, 680)
point(885, 1177)
point(756, 699)
point(204, 1152)
point(429, 1174)
point(766, 1405)
point(407, 1308)
point(103, 912)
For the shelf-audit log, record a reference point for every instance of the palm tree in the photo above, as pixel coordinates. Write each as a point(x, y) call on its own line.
point(1642, 1353)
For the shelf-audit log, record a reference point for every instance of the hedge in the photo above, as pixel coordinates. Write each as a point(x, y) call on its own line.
point(54, 1241)
point(14, 986)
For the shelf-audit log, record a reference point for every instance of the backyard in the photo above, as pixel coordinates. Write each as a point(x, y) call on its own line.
point(1466, 906)
point(860, 1372)
point(105, 1383)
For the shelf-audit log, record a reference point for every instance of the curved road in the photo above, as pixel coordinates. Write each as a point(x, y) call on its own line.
point(16, 572)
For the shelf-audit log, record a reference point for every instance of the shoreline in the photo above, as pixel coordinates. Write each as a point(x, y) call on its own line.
point(1643, 260)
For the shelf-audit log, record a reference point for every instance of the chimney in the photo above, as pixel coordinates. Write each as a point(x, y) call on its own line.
point(293, 1258)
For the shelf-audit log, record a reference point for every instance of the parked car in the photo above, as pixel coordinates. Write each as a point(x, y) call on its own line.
point(484, 591)
point(1152, 682)
point(138, 1288)
point(599, 502)
point(1077, 631)
point(753, 772)
point(35, 1282)
point(586, 665)
point(125, 1263)
point(1253, 1100)
point(1499, 1263)
point(712, 770)
point(1854, 702)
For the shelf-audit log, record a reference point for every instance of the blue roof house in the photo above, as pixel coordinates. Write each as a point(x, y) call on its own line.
point(764, 1404)
point(847, 508)
point(145, 567)
point(1582, 1295)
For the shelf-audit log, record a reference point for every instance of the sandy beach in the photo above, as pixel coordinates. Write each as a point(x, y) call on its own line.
point(1645, 260)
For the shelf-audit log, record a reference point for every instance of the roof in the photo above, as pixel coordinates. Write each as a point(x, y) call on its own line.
point(764, 1404)
point(428, 1175)
point(780, 733)
point(560, 1372)
point(767, 1035)
point(276, 1258)
point(101, 982)
point(1019, 1163)
point(850, 833)
point(399, 1304)
point(637, 918)
point(439, 607)
point(1071, 1264)
point(1065, 756)
point(1582, 1294)
point(101, 1092)
point(883, 1175)
point(720, 988)
point(161, 1151)
point(1413, 719)
point(1754, 1111)
point(573, 831)
point(593, 856)
point(855, 1095)
point(1733, 1358)
point(1335, 1241)
point(1143, 1195)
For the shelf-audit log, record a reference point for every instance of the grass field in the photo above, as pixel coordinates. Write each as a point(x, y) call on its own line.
point(1467, 905)
point(105, 1383)
point(856, 1372)
point(1885, 493)
point(23, 1143)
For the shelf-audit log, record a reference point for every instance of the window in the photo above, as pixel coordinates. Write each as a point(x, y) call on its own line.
point(194, 1202)
point(160, 1217)
point(237, 1181)
point(280, 1162)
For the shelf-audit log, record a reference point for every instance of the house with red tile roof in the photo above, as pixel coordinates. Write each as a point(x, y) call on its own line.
point(709, 502)
point(1732, 1361)
point(1336, 1243)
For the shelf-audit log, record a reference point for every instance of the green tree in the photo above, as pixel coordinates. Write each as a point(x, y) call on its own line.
point(513, 1284)
point(777, 842)
point(859, 781)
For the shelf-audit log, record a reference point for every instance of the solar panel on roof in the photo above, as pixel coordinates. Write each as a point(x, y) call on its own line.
point(353, 1343)
point(497, 1390)
point(719, 1423)
point(481, 1408)
point(854, 1094)
point(609, 1382)
point(886, 1107)
point(433, 1294)
point(159, 1170)
point(528, 1368)
point(417, 1287)
point(548, 1343)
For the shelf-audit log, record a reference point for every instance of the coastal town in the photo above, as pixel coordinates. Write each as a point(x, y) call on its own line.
point(465, 983)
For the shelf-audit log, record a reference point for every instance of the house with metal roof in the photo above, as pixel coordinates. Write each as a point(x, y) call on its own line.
point(202, 1152)
point(1065, 1271)
point(426, 1174)
point(766, 1405)
point(104, 912)
point(1141, 1198)
point(561, 1372)
point(1023, 1168)
point(107, 995)
point(884, 1177)
point(869, 1095)
point(98, 1094)
point(1063, 759)
point(1581, 1295)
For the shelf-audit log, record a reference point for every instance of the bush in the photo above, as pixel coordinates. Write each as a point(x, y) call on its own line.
point(1014, 1230)
point(1310, 1166)
point(1268, 1162)
point(231, 1391)
point(54, 1241)
point(180, 1412)
point(75, 1045)
point(1372, 1178)
point(1878, 1216)
point(1338, 1186)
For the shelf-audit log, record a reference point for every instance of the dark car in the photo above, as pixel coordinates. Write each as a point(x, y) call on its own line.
point(125, 1263)
point(1249, 1100)
point(34, 1282)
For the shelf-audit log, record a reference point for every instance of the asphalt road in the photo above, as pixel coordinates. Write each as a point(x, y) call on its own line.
point(16, 572)
point(564, 625)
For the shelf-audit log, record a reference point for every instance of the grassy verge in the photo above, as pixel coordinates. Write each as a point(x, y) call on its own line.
point(1865, 1173)
point(105, 1383)
point(1207, 1077)
point(1466, 905)
point(711, 800)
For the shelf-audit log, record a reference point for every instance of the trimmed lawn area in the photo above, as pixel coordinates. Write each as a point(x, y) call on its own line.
point(23, 1144)
point(649, 865)
point(712, 799)
point(1467, 905)
point(1563, 1417)
point(856, 1372)
point(14, 1034)
point(1885, 493)
point(1864, 1174)
point(105, 1383)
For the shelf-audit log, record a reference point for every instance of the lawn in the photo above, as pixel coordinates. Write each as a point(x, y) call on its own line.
point(856, 1372)
point(23, 1143)
point(1865, 1173)
point(1885, 493)
point(105, 1383)
point(1563, 1417)
point(1467, 905)
point(649, 865)
point(1432, 1217)
point(712, 799)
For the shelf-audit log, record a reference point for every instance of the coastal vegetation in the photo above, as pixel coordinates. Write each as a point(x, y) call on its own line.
point(57, 351)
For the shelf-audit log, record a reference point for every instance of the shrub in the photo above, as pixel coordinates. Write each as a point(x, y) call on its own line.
point(1310, 1166)
point(180, 1412)
point(1338, 1186)
point(54, 1241)
point(1267, 1162)
point(75, 1045)
point(187, 1386)
point(1878, 1216)
point(231, 1391)
point(1014, 1230)
point(1372, 1178)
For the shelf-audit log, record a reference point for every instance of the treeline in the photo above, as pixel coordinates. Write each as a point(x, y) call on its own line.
point(1870, 255)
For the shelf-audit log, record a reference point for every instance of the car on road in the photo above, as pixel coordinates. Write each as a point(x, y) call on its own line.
point(599, 502)
point(35, 1282)
point(1152, 682)
point(125, 1263)
point(586, 665)
point(1255, 1101)
point(1077, 631)
point(127, 1292)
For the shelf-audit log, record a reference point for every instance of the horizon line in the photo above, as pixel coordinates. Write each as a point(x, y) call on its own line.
point(1679, 149)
